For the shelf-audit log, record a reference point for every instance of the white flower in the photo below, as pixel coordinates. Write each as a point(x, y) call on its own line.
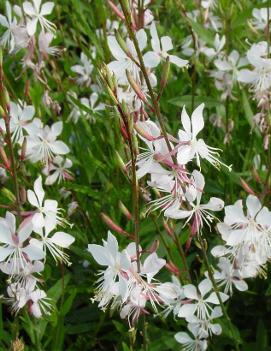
point(14, 243)
point(43, 145)
point(83, 70)
point(47, 211)
point(200, 212)
point(260, 76)
point(54, 244)
point(259, 20)
point(191, 343)
point(206, 327)
point(218, 46)
point(45, 40)
point(160, 51)
point(203, 299)
point(124, 61)
point(35, 298)
point(157, 147)
point(10, 24)
point(247, 237)
point(20, 121)
point(229, 276)
point(58, 170)
point(36, 14)
point(191, 147)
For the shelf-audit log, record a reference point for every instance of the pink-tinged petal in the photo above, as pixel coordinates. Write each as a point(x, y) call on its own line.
point(47, 8)
point(152, 265)
point(177, 214)
point(62, 239)
point(28, 113)
point(144, 168)
point(187, 310)
point(214, 204)
point(142, 39)
point(183, 338)
point(57, 128)
point(264, 217)
point(112, 244)
point(11, 222)
point(224, 230)
point(155, 42)
point(31, 26)
point(38, 220)
point(178, 61)
point(100, 254)
point(3, 21)
point(115, 49)
point(39, 190)
point(151, 59)
point(190, 292)
point(166, 43)
point(25, 230)
point(236, 237)
point(246, 76)
point(5, 234)
point(59, 148)
point(253, 205)
point(28, 8)
point(50, 205)
point(214, 299)
point(186, 121)
point(205, 286)
point(185, 154)
point(5, 252)
point(32, 198)
point(34, 250)
point(197, 120)
point(240, 285)
point(234, 214)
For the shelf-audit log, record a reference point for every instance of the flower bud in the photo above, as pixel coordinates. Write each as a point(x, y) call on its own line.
point(246, 187)
point(120, 163)
point(4, 157)
point(172, 268)
point(4, 99)
point(115, 9)
point(168, 229)
point(125, 211)
point(23, 150)
point(136, 87)
point(22, 195)
point(122, 43)
point(164, 75)
point(112, 225)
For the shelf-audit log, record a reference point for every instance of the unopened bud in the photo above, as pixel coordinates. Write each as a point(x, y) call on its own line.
point(116, 9)
point(246, 187)
point(112, 96)
point(124, 210)
point(23, 150)
point(4, 157)
point(154, 246)
point(165, 74)
point(112, 225)
point(4, 99)
point(22, 195)
point(168, 229)
point(120, 163)
point(108, 77)
point(136, 87)
point(171, 267)
point(122, 43)
point(143, 133)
